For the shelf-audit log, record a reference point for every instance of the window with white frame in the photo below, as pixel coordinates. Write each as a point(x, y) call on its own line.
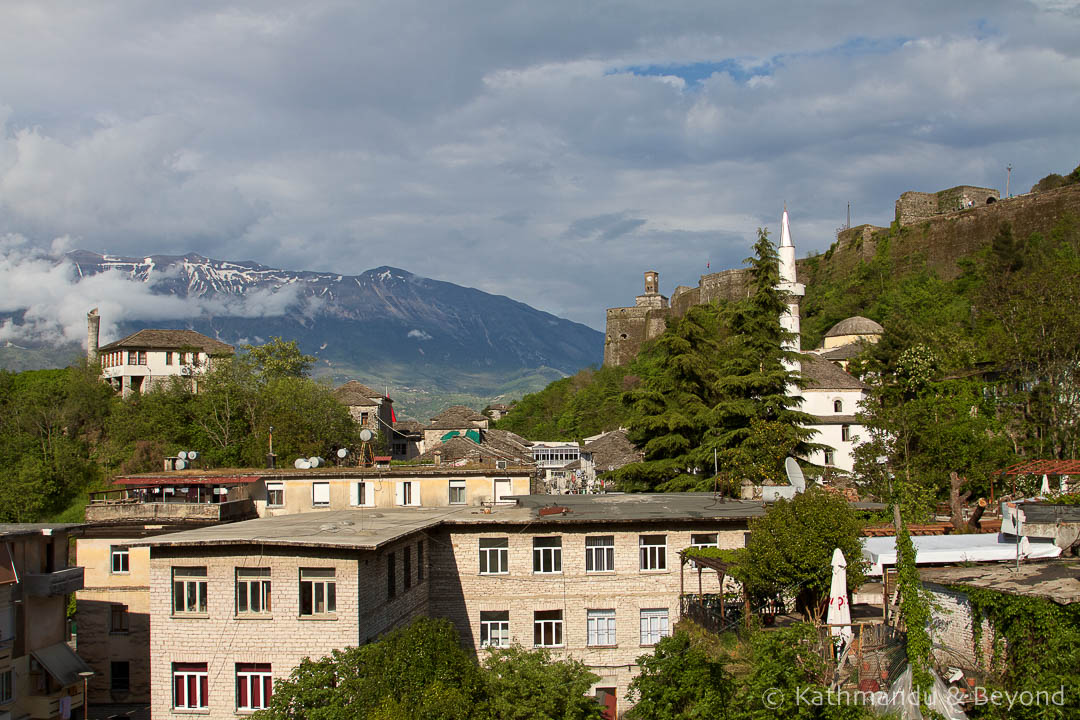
point(830, 457)
point(548, 628)
point(254, 686)
point(654, 625)
point(408, 494)
point(191, 686)
point(275, 494)
point(252, 590)
point(457, 492)
point(494, 628)
point(318, 591)
point(703, 540)
point(547, 555)
point(494, 556)
point(120, 560)
point(189, 590)
point(600, 553)
point(362, 494)
point(7, 686)
point(320, 493)
point(601, 627)
point(653, 552)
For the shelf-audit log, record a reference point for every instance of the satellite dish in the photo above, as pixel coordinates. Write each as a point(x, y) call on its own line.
point(314, 461)
point(366, 435)
point(182, 455)
point(301, 464)
point(192, 455)
point(180, 464)
point(342, 453)
point(795, 475)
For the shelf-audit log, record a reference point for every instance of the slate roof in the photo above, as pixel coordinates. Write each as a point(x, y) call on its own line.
point(462, 448)
point(612, 450)
point(819, 374)
point(170, 340)
point(857, 325)
point(456, 417)
point(356, 393)
point(844, 352)
point(408, 427)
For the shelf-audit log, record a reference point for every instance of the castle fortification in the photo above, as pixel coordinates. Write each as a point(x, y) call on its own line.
point(937, 229)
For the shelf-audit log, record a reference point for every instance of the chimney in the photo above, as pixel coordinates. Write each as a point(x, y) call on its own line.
point(93, 329)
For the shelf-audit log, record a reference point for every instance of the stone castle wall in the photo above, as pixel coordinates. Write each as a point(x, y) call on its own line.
point(912, 206)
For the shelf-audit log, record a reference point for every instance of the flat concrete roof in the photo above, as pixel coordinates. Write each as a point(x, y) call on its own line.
point(247, 475)
point(1057, 580)
point(35, 528)
point(369, 528)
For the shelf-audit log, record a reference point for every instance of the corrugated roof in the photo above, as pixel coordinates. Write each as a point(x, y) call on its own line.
point(819, 374)
point(170, 340)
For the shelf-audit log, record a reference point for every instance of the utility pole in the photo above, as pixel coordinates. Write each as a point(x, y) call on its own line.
point(1008, 177)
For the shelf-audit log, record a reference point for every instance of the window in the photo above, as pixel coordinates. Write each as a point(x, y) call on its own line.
point(494, 556)
point(118, 618)
point(457, 492)
point(252, 590)
point(503, 490)
point(365, 418)
point(601, 627)
point(406, 567)
point(189, 590)
point(361, 493)
point(391, 576)
point(547, 628)
point(653, 552)
point(7, 686)
point(120, 559)
point(547, 555)
point(407, 493)
point(845, 433)
point(419, 561)
point(190, 685)
point(275, 494)
point(168, 357)
point(830, 458)
point(654, 625)
point(120, 676)
point(318, 591)
point(183, 358)
point(254, 685)
point(704, 540)
point(494, 628)
point(600, 553)
point(400, 448)
point(838, 406)
point(320, 493)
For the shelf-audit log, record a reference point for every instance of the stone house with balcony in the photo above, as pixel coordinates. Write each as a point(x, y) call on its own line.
point(40, 675)
point(594, 577)
point(149, 357)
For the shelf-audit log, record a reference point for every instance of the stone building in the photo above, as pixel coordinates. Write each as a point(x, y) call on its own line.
point(595, 578)
point(40, 675)
point(913, 206)
point(454, 420)
point(149, 357)
point(370, 409)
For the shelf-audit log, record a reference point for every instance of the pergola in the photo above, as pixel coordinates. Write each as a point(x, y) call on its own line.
point(1041, 467)
point(722, 569)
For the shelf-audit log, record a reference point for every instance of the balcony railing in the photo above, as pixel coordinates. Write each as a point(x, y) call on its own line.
point(61, 582)
point(180, 502)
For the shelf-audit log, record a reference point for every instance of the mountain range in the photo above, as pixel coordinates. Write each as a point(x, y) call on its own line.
point(431, 341)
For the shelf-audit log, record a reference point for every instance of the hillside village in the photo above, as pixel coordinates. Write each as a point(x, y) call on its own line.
point(199, 586)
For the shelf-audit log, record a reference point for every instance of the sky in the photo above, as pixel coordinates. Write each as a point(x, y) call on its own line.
point(549, 151)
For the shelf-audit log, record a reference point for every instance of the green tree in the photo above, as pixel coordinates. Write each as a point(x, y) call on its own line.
point(790, 548)
point(530, 685)
point(681, 681)
point(278, 358)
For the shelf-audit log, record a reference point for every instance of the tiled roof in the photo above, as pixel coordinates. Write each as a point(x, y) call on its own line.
point(356, 393)
point(819, 374)
point(170, 340)
point(613, 450)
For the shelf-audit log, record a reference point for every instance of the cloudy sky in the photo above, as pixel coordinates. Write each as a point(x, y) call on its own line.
point(550, 151)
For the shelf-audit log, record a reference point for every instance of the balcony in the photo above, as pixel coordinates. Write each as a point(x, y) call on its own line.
point(48, 706)
point(61, 582)
point(152, 504)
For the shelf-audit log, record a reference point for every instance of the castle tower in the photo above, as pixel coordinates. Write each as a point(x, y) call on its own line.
point(789, 285)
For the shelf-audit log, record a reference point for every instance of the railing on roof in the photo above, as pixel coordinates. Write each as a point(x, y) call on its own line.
point(188, 494)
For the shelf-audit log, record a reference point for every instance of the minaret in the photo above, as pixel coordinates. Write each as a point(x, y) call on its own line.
point(93, 329)
point(793, 289)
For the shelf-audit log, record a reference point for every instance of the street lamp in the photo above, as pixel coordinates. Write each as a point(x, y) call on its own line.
point(86, 675)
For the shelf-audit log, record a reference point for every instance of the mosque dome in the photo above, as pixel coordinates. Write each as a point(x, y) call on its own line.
point(857, 325)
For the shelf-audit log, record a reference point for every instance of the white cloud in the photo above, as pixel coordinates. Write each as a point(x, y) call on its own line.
point(418, 335)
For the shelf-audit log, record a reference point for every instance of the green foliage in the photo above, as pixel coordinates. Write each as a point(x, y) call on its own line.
point(278, 359)
point(1041, 641)
point(914, 613)
point(790, 548)
point(680, 681)
point(572, 408)
point(422, 671)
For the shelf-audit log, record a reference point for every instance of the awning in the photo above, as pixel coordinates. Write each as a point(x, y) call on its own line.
point(941, 549)
point(61, 662)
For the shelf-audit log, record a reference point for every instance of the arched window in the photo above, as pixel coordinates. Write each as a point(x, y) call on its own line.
point(838, 406)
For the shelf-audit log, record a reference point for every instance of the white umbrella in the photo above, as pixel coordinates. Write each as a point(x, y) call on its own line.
point(839, 608)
